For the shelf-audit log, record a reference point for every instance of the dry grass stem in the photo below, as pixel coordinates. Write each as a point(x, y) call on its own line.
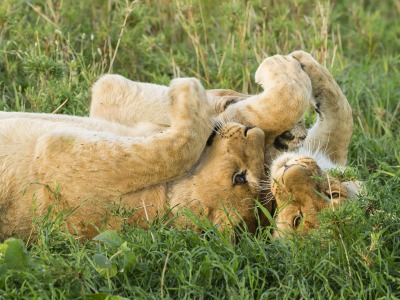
point(59, 107)
point(129, 10)
point(147, 217)
point(42, 15)
point(163, 274)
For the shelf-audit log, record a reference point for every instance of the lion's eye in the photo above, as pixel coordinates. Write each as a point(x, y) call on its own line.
point(239, 178)
point(334, 195)
point(297, 221)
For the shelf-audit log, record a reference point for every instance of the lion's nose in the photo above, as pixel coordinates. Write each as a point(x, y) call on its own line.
point(247, 129)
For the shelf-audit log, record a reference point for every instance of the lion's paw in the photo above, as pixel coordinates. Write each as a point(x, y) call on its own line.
point(283, 71)
point(325, 91)
point(189, 100)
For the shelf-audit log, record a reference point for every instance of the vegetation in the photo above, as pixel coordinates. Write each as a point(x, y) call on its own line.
point(52, 51)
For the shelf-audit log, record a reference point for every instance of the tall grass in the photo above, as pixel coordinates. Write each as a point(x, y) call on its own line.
point(51, 52)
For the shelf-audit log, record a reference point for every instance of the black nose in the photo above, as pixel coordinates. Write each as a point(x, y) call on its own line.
point(247, 129)
point(287, 135)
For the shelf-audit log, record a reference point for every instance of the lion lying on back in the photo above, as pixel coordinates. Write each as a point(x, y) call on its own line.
point(104, 161)
point(158, 156)
point(325, 147)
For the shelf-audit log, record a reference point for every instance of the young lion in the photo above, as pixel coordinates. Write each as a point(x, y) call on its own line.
point(327, 141)
point(297, 176)
point(103, 161)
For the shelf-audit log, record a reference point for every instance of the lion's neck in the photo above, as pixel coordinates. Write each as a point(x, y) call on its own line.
point(181, 191)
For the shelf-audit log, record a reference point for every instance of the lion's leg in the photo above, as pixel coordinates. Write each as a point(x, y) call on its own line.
point(287, 90)
point(334, 127)
point(129, 164)
point(115, 98)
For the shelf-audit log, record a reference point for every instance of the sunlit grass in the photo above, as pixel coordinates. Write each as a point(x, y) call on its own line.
point(53, 51)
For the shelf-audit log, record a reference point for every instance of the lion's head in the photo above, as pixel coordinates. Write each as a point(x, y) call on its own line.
point(301, 187)
point(229, 173)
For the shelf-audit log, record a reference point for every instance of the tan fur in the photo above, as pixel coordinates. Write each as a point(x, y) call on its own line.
point(282, 104)
point(291, 140)
point(231, 153)
point(278, 110)
point(334, 127)
point(328, 142)
point(144, 109)
point(296, 179)
point(105, 161)
point(287, 90)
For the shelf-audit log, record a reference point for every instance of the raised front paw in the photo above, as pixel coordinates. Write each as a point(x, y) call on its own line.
point(284, 72)
point(189, 102)
point(326, 94)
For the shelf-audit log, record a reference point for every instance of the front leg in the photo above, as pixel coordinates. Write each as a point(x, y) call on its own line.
point(95, 159)
point(334, 127)
point(287, 90)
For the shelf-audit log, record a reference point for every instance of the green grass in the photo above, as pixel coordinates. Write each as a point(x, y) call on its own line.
point(56, 52)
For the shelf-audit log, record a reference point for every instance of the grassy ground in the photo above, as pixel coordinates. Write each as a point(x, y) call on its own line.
point(51, 51)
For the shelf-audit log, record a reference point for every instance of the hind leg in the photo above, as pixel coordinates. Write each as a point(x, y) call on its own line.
point(287, 90)
point(103, 166)
point(334, 127)
point(115, 98)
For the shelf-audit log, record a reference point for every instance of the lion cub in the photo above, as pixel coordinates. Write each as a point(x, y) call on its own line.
point(301, 176)
point(289, 83)
point(104, 161)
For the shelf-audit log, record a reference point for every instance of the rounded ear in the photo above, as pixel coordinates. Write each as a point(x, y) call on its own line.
point(224, 93)
point(353, 188)
point(226, 101)
point(221, 99)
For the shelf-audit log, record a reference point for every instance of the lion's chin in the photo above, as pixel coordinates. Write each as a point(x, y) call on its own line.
point(280, 162)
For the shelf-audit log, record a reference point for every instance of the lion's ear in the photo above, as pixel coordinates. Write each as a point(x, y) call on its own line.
point(353, 188)
point(220, 99)
point(229, 100)
point(222, 103)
